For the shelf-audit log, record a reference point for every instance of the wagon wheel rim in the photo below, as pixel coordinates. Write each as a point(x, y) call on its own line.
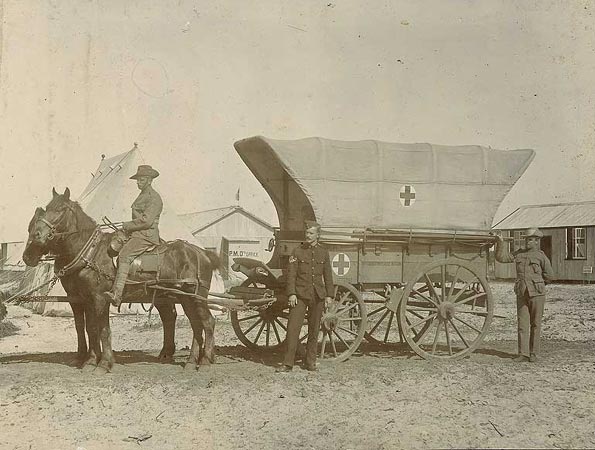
point(263, 329)
point(343, 325)
point(452, 317)
point(383, 323)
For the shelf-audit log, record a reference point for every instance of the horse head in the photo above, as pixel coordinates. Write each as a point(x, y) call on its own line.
point(58, 218)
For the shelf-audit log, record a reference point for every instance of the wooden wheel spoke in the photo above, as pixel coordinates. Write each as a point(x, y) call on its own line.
point(341, 339)
point(268, 335)
point(463, 289)
point(347, 331)
point(259, 332)
point(390, 322)
point(447, 338)
point(330, 337)
point(424, 331)
point(431, 288)
point(351, 319)
point(376, 311)
point(419, 308)
point(323, 345)
point(424, 320)
point(459, 333)
point(342, 299)
point(379, 322)
point(276, 332)
point(416, 314)
point(472, 311)
point(468, 299)
point(343, 311)
point(281, 325)
point(436, 337)
point(454, 282)
point(442, 282)
point(425, 297)
point(254, 326)
point(249, 317)
point(465, 323)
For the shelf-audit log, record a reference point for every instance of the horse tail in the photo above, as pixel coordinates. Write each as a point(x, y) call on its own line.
point(214, 259)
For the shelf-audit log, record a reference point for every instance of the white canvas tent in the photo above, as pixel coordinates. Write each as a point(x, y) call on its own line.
point(110, 193)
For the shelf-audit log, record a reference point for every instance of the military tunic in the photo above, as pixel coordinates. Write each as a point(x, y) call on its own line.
point(533, 269)
point(143, 229)
point(310, 278)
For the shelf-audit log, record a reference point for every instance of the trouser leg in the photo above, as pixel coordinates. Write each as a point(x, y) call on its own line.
point(121, 276)
point(133, 248)
point(314, 315)
point(524, 323)
point(294, 325)
point(536, 306)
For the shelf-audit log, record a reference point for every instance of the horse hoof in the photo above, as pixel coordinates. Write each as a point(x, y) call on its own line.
point(103, 368)
point(166, 357)
point(88, 367)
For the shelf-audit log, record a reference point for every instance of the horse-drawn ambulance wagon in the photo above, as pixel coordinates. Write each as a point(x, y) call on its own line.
point(408, 229)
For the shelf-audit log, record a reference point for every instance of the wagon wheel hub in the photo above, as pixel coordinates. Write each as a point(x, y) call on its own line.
point(329, 322)
point(446, 311)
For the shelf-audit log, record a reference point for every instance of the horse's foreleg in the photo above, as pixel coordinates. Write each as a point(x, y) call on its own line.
point(106, 362)
point(78, 311)
point(92, 357)
point(168, 314)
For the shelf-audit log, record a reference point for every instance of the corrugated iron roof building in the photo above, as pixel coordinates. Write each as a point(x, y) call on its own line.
point(569, 234)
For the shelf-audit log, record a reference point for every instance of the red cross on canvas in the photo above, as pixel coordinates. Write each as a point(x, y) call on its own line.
point(407, 195)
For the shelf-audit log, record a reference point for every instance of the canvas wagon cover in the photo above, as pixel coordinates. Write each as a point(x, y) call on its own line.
point(383, 185)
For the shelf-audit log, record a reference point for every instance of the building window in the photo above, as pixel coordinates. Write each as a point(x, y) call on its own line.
point(576, 243)
point(518, 240)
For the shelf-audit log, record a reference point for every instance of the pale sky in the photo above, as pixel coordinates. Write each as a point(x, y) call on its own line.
point(185, 79)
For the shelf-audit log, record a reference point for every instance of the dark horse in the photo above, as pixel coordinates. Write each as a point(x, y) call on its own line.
point(65, 231)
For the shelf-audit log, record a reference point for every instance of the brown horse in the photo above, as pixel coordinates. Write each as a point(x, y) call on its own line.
point(66, 232)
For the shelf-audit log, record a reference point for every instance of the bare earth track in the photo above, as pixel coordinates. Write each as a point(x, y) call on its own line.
point(381, 398)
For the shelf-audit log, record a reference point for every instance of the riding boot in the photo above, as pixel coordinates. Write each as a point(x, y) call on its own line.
point(115, 295)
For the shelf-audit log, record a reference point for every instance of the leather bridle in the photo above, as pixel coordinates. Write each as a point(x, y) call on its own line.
point(54, 226)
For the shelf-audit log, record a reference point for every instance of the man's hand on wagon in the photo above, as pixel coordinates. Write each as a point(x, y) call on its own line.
point(292, 300)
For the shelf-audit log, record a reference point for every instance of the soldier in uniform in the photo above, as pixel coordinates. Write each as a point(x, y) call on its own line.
point(533, 270)
point(142, 231)
point(309, 287)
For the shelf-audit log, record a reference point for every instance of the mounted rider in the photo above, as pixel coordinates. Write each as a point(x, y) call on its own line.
point(142, 231)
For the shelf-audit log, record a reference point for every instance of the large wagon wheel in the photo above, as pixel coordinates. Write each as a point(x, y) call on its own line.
point(446, 310)
point(263, 329)
point(342, 326)
point(383, 317)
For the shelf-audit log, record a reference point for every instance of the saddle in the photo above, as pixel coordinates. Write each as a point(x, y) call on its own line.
point(147, 262)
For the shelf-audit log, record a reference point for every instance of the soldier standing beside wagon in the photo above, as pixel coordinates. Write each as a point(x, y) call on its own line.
point(309, 282)
point(533, 270)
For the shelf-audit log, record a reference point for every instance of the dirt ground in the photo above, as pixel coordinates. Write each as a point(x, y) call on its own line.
point(382, 398)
